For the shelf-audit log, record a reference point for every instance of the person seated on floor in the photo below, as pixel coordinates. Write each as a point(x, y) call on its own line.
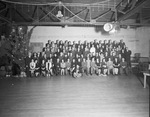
point(93, 66)
point(104, 67)
point(116, 66)
point(98, 67)
point(68, 66)
point(123, 67)
point(63, 67)
point(37, 68)
point(43, 68)
point(77, 72)
point(32, 67)
point(49, 68)
point(110, 66)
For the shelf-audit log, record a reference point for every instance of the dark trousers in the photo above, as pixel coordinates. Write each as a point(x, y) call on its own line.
point(28, 71)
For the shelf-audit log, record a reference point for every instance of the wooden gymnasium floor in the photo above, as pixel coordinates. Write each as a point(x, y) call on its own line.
point(64, 96)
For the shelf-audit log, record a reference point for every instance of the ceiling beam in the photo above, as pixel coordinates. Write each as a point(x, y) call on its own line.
point(35, 8)
point(102, 15)
point(73, 13)
point(75, 24)
point(133, 11)
point(23, 14)
point(77, 13)
point(112, 16)
point(58, 23)
point(3, 9)
point(49, 13)
point(46, 14)
point(86, 14)
point(5, 19)
point(118, 10)
point(97, 4)
point(20, 14)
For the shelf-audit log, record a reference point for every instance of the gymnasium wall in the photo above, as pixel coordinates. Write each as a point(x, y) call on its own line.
point(136, 39)
point(143, 43)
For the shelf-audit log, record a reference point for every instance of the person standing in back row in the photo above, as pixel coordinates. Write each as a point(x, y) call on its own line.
point(128, 57)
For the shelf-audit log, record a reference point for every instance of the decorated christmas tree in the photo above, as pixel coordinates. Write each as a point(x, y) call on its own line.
point(16, 46)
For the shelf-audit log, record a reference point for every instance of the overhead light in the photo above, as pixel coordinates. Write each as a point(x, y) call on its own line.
point(59, 14)
point(108, 27)
point(112, 27)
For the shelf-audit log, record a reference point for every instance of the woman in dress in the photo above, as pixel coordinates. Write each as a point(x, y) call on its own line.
point(32, 67)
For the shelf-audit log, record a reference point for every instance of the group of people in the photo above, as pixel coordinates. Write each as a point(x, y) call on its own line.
point(79, 58)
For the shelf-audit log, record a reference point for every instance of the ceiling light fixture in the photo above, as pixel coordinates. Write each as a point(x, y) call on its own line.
point(111, 27)
point(59, 14)
point(108, 27)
